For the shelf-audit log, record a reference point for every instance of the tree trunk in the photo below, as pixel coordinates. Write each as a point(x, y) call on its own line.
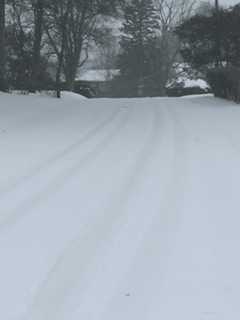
point(70, 74)
point(218, 35)
point(60, 67)
point(71, 65)
point(62, 49)
point(58, 80)
point(38, 32)
point(2, 46)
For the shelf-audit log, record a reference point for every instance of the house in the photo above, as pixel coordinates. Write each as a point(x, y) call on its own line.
point(98, 80)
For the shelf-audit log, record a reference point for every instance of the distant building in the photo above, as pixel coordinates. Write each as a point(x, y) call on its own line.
point(98, 80)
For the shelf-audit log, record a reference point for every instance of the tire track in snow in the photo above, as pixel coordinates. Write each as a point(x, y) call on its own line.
point(134, 231)
point(46, 165)
point(151, 256)
point(73, 264)
point(12, 216)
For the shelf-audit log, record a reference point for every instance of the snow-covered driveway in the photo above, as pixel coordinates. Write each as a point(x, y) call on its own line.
point(122, 209)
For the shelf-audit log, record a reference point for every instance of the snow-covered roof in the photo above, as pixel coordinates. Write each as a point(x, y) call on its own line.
point(99, 75)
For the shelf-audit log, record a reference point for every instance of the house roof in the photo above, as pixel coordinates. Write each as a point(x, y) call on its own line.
point(99, 75)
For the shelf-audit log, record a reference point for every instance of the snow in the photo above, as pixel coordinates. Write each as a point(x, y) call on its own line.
point(191, 96)
point(50, 93)
point(98, 75)
point(119, 209)
point(186, 77)
point(185, 82)
point(69, 94)
point(189, 83)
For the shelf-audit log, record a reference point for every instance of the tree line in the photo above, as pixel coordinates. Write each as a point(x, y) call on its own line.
point(42, 37)
point(210, 43)
point(43, 43)
point(149, 46)
point(159, 34)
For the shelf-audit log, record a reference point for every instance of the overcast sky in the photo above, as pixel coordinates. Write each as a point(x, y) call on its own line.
point(228, 2)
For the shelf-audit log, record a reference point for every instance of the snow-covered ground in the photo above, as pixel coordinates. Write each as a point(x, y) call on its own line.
point(119, 209)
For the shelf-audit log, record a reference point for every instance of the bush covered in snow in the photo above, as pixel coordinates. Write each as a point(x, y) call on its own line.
point(211, 45)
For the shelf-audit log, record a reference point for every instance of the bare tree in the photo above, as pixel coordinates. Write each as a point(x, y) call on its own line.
point(171, 13)
point(79, 30)
point(56, 30)
point(48, 32)
point(107, 44)
point(71, 26)
point(27, 19)
point(20, 15)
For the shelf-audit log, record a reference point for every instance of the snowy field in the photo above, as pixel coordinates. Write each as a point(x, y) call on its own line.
point(119, 209)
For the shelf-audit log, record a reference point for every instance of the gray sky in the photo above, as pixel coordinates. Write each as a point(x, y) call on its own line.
point(228, 2)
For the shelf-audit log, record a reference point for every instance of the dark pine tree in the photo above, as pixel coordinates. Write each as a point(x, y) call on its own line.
point(139, 34)
point(213, 40)
point(211, 44)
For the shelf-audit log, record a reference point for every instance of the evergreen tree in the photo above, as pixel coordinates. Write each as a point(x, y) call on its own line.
point(137, 42)
point(211, 44)
point(212, 40)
